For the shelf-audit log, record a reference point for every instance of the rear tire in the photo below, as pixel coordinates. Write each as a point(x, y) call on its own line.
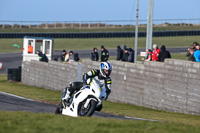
point(87, 111)
point(58, 109)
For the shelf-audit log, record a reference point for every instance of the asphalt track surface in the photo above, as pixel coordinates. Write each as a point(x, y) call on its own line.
point(10, 102)
point(14, 60)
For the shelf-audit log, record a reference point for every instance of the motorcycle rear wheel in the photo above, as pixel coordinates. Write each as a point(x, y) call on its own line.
point(58, 109)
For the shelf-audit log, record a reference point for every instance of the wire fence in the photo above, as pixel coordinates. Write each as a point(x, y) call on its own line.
point(95, 24)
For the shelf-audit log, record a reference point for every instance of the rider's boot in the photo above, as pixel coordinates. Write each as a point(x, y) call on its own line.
point(65, 99)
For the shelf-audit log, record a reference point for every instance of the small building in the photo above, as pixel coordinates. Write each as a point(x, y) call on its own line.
point(32, 44)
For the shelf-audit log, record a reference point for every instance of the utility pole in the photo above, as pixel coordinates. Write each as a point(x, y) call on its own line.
point(149, 25)
point(136, 32)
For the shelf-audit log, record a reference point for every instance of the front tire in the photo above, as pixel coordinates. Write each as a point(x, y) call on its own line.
point(89, 110)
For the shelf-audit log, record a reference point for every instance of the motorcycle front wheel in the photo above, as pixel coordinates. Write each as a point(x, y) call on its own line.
point(89, 110)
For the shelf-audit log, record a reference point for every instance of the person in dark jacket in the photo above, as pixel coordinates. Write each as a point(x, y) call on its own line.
point(104, 54)
point(119, 53)
point(63, 55)
point(95, 55)
point(163, 54)
point(42, 57)
point(125, 55)
point(123, 47)
point(131, 55)
point(190, 57)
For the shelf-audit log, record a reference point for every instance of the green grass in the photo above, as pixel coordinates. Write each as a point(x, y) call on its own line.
point(109, 43)
point(23, 122)
point(132, 29)
point(40, 122)
point(29, 92)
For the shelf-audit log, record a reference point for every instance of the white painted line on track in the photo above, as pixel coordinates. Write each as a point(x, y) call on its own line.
point(135, 118)
point(15, 96)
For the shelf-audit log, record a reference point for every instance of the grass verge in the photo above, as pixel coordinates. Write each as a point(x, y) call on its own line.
point(109, 43)
point(31, 122)
point(24, 122)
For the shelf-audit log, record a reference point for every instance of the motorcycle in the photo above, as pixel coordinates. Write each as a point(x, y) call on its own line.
point(84, 102)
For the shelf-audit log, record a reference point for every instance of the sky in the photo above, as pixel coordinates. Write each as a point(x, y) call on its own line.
point(95, 10)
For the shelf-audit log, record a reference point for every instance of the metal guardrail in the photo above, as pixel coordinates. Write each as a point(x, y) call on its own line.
point(5, 24)
point(102, 34)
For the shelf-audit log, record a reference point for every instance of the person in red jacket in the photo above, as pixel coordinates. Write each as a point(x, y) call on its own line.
point(156, 51)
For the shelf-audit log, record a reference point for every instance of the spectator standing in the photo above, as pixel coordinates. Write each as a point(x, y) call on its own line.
point(63, 55)
point(163, 54)
point(190, 57)
point(69, 56)
point(156, 51)
point(125, 55)
point(42, 57)
point(104, 54)
point(196, 54)
point(95, 55)
point(76, 57)
point(119, 53)
point(197, 46)
point(148, 55)
point(123, 47)
point(131, 55)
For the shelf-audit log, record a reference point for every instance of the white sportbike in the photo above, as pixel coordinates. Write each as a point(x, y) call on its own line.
point(84, 102)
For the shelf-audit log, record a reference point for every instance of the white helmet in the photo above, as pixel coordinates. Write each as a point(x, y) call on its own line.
point(105, 66)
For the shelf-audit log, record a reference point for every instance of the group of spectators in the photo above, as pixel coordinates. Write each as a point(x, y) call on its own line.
point(69, 56)
point(104, 54)
point(125, 54)
point(193, 52)
point(158, 54)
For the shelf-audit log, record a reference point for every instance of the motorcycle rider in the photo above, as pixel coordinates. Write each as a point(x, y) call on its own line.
point(102, 76)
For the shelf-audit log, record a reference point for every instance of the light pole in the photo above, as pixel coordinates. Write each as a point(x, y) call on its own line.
point(149, 25)
point(136, 32)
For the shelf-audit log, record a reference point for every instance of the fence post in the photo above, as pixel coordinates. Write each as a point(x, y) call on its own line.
point(38, 24)
point(181, 22)
point(89, 24)
point(98, 24)
point(20, 25)
point(29, 24)
point(46, 24)
point(163, 22)
point(63, 24)
point(188, 22)
point(55, 24)
point(80, 25)
point(79, 69)
point(13, 24)
point(3, 24)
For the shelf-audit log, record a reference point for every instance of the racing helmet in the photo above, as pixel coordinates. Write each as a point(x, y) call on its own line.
point(105, 69)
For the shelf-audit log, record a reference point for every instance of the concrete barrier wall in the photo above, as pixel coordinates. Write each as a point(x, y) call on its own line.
point(53, 75)
point(173, 86)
